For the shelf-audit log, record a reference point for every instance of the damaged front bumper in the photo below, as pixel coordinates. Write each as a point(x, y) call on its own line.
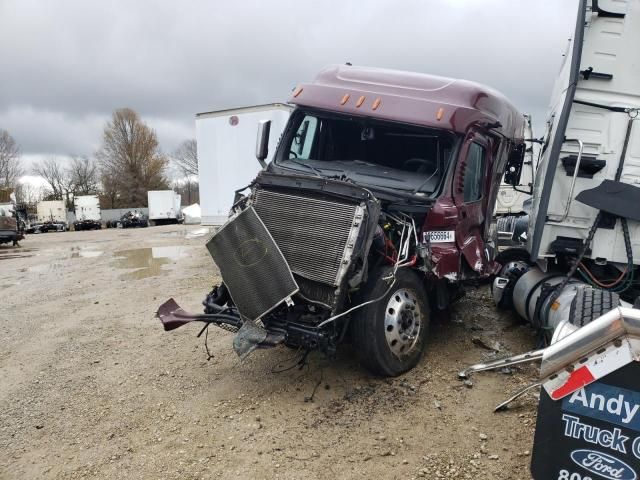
point(249, 335)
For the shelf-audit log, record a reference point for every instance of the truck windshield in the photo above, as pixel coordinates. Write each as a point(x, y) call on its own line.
point(366, 151)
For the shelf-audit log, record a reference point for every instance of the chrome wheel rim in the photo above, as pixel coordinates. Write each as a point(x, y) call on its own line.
point(402, 322)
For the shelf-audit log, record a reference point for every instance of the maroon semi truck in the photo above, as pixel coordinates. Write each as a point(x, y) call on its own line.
point(375, 209)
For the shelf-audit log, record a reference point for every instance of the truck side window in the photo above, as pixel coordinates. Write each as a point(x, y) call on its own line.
point(304, 139)
point(474, 173)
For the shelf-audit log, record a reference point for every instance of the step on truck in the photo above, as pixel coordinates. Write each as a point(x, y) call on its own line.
point(375, 209)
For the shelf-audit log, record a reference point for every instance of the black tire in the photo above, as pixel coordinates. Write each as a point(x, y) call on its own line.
point(369, 324)
point(513, 255)
point(591, 303)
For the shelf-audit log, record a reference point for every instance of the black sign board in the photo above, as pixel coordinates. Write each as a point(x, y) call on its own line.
point(593, 433)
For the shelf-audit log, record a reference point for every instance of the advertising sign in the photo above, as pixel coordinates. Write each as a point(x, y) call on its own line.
point(592, 433)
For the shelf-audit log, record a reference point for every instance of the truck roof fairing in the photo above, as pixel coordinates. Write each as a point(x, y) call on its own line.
point(416, 98)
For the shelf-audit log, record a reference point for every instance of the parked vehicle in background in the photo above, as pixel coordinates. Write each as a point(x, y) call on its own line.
point(133, 219)
point(226, 162)
point(87, 209)
point(376, 208)
point(51, 216)
point(11, 226)
point(164, 207)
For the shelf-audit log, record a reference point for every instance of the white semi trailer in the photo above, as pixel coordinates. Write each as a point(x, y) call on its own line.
point(87, 210)
point(164, 206)
point(226, 153)
point(51, 211)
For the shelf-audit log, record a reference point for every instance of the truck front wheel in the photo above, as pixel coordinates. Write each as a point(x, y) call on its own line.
point(390, 335)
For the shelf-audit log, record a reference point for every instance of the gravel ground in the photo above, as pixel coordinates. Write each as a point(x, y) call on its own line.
point(92, 387)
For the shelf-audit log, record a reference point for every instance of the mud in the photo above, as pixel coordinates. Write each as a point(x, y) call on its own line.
point(92, 387)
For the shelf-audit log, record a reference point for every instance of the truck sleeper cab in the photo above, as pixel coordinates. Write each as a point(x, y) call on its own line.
point(377, 206)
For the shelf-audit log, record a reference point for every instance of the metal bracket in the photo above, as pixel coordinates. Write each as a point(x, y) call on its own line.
point(527, 357)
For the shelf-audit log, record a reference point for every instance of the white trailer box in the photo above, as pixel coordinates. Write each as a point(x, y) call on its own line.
point(51, 211)
point(226, 153)
point(87, 207)
point(164, 205)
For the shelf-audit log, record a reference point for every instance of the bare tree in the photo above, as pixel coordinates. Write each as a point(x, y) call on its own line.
point(130, 157)
point(55, 174)
point(188, 190)
point(83, 173)
point(10, 168)
point(109, 190)
point(29, 193)
point(185, 158)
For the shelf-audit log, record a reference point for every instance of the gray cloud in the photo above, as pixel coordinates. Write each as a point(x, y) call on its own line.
point(67, 65)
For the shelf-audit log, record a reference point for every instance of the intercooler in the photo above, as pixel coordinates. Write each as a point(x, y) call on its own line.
point(316, 236)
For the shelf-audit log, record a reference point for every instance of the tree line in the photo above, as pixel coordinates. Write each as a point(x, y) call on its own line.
point(128, 163)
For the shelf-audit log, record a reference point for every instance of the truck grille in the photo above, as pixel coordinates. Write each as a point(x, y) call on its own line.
point(251, 265)
point(315, 236)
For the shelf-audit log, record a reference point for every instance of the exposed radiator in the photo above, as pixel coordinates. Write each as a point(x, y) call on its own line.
point(316, 237)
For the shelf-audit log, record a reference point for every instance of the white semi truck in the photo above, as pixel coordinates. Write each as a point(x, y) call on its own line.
point(226, 156)
point(583, 229)
point(576, 275)
point(164, 207)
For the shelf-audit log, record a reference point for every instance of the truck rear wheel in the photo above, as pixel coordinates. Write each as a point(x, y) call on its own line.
point(390, 335)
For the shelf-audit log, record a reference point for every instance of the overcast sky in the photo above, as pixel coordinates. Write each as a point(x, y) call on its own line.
point(66, 65)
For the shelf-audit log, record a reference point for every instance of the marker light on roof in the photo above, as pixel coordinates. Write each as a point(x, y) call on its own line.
point(360, 102)
point(297, 92)
point(345, 99)
point(376, 104)
point(440, 114)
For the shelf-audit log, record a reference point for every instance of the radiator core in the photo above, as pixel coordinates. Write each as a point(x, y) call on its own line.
point(316, 236)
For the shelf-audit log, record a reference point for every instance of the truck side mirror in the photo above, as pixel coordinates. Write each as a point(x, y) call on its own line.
point(262, 142)
point(513, 169)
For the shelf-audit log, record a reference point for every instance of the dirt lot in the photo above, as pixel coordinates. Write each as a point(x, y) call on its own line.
point(92, 387)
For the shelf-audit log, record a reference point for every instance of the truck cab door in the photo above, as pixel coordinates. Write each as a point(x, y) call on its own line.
point(470, 193)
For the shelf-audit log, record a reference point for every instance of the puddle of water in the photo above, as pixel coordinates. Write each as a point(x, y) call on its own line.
point(81, 252)
point(146, 262)
point(200, 232)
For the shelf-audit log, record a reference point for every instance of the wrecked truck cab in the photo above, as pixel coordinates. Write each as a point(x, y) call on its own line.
point(375, 209)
